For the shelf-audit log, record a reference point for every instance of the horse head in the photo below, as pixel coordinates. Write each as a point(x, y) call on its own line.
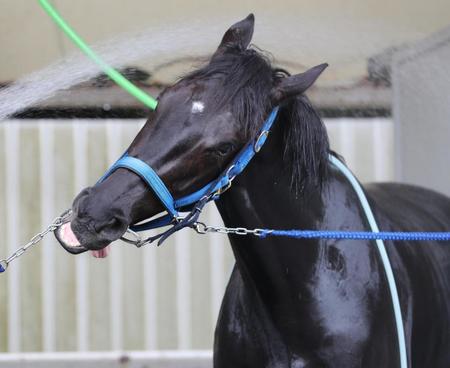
point(200, 124)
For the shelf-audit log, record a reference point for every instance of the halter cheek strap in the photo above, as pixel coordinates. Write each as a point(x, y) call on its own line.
point(195, 201)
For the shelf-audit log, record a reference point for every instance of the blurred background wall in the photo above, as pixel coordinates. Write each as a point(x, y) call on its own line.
point(343, 32)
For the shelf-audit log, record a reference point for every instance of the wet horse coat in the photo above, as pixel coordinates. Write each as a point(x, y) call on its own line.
point(289, 303)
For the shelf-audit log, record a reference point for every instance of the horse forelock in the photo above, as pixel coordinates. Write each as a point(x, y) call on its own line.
point(247, 78)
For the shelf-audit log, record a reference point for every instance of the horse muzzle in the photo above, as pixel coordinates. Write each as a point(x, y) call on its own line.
point(69, 241)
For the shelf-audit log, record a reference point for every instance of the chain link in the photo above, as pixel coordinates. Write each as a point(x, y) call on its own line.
point(56, 223)
point(199, 227)
point(202, 228)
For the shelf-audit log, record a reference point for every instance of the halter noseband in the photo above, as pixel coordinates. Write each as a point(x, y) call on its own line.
point(194, 202)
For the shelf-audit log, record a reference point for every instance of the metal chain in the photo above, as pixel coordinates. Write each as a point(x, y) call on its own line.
point(56, 223)
point(202, 228)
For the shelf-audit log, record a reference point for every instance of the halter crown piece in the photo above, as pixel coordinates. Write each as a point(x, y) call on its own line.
point(194, 202)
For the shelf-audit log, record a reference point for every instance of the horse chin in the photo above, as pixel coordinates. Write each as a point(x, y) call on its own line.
point(69, 241)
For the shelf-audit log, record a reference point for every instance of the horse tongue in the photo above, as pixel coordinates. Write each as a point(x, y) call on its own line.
point(102, 253)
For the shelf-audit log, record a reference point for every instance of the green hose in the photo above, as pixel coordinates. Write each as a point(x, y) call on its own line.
point(111, 72)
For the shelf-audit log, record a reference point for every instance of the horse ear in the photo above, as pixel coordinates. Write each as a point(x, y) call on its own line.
point(296, 84)
point(238, 35)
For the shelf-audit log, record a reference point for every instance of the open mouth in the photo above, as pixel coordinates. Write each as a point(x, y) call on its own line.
point(69, 241)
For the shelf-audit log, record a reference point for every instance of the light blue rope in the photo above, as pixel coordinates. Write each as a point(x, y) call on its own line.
point(384, 258)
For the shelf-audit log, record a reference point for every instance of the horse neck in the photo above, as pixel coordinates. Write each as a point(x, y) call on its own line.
point(262, 198)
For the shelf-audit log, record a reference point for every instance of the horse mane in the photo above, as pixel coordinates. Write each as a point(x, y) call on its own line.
point(306, 144)
point(247, 78)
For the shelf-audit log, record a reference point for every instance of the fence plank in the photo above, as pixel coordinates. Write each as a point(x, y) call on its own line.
point(79, 139)
point(47, 179)
point(166, 296)
point(4, 249)
point(29, 225)
point(66, 279)
point(183, 288)
point(201, 291)
point(99, 281)
point(12, 158)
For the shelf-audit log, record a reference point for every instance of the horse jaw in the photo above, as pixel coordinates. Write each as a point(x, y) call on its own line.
point(70, 242)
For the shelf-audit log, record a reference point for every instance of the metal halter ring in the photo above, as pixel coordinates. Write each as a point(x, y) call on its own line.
point(230, 180)
point(137, 241)
point(257, 146)
point(228, 172)
point(200, 227)
point(223, 189)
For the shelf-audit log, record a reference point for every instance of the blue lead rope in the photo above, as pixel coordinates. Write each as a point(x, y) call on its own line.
point(357, 235)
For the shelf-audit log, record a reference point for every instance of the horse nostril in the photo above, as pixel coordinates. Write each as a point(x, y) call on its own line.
point(97, 216)
point(115, 224)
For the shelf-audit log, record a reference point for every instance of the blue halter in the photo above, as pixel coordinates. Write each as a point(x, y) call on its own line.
point(193, 202)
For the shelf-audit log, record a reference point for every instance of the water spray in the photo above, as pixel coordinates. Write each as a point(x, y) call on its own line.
point(112, 73)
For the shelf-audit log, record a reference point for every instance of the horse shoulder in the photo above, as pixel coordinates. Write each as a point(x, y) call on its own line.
point(422, 269)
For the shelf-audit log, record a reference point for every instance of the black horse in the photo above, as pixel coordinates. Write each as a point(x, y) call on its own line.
point(289, 303)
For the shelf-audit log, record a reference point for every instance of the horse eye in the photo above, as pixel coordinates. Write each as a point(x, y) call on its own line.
point(224, 149)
